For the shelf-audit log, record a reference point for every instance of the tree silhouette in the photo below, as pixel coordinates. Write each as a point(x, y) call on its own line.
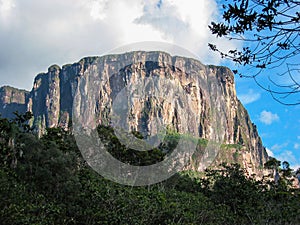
point(274, 165)
point(269, 31)
point(298, 176)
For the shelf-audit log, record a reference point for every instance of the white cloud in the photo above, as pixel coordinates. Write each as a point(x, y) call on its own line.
point(164, 17)
point(270, 153)
point(268, 117)
point(296, 146)
point(289, 157)
point(186, 24)
point(97, 8)
point(295, 166)
point(282, 154)
point(43, 33)
point(6, 6)
point(278, 147)
point(249, 97)
point(36, 34)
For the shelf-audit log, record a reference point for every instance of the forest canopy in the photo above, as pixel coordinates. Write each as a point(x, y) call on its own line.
point(46, 181)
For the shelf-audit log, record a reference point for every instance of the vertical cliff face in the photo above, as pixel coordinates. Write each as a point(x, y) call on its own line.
point(45, 98)
point(184, 94)
point(12, 100)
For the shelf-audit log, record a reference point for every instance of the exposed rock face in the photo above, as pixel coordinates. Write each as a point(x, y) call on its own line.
point(211, 109)
point(12, 100)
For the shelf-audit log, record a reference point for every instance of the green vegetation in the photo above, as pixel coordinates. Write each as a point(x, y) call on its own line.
point(85, 62)
point(46, 181)
point(13, 89)
point(143, 158)
point(230, 146)
point(53, 68)
point(128, 155)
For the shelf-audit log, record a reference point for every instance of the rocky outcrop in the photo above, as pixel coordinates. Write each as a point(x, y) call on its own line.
point(184, 94)
point(12, 100)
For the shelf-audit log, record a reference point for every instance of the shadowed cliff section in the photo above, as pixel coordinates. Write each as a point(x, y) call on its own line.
point(211, 91)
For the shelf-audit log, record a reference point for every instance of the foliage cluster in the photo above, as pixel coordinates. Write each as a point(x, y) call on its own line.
point(45, 181)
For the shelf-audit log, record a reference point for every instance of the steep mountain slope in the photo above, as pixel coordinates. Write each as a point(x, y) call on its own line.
point(186, 96)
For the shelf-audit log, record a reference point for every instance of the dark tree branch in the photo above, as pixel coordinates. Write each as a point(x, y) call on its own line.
point(270, 32)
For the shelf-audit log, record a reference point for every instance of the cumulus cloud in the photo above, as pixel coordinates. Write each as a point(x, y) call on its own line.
point(267, 117)
point(296, 146)
point(41, 33)
point(186, 24)
point(5, 9)
point(249, 97)
point(165, 17)
point(97, 8)
point(36, 34)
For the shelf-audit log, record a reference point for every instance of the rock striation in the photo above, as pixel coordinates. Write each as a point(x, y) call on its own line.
point(208, 107)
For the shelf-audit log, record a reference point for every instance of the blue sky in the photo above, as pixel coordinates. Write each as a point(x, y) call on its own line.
point(278, 125)
point(36, 34)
